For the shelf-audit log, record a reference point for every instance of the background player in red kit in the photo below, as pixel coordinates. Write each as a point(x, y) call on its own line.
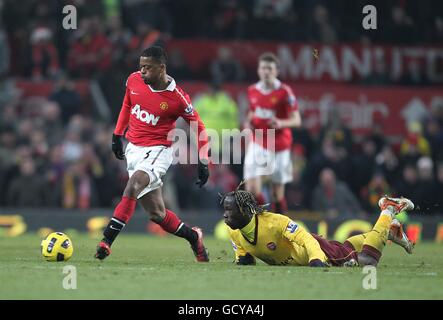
point(152, 104)
point(272, 105)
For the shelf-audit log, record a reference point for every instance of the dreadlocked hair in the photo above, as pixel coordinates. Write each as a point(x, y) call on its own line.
point(245, 201)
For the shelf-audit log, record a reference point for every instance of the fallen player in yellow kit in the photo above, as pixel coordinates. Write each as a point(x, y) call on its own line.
point(277, 240)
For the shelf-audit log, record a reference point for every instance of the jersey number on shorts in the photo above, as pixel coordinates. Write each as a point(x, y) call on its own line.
point(156, 157)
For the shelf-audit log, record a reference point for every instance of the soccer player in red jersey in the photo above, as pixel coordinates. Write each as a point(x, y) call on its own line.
point(272, 105)
point(151, 105)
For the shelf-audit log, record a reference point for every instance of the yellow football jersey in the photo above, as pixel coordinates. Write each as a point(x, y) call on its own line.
point(277, 241)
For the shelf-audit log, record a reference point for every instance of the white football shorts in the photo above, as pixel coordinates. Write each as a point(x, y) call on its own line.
point(155, 161)
point(262, 162)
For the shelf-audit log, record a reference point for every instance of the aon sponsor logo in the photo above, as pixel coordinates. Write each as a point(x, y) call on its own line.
point(144, 115)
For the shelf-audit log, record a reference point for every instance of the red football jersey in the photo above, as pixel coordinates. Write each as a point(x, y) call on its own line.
point(151, 114)
point(265, 105)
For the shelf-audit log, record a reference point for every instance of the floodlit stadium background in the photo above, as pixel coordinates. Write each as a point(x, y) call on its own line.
point(371, 102)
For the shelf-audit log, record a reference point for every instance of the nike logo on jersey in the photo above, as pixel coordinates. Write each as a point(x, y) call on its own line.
point(144, 115)
point(133, 92)
point(263, 113)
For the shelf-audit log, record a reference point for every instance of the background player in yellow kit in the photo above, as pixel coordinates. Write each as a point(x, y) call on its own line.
point(277, 240)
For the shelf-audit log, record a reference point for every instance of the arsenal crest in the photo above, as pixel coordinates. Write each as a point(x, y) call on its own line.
point(271, 246)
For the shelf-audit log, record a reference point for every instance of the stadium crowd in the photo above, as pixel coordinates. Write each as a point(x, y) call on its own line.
point(52, 148)
point(110, 34)
point(65, 159)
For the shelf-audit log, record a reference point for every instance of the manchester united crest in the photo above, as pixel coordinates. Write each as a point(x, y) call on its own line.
point(164, 106)
point(273, 100)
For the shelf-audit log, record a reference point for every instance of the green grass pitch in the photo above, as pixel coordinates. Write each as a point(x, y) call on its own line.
point(148, 267)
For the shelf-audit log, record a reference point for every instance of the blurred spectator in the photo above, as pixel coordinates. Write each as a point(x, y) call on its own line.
point(414, 75)
point(415, 144)
point(388, 164)
point(363, 162)
point(177, 66)
point(329, 155)
point(119, 38)
point(377, 136)
point(44, 62)
point(28, 189)
point(79, 189)
point(222, 179)
point(8, 141)
point(54, 171)
point(296, 193)
point(379, 75)
point(145, 37)
point(407, 185)
point(400, 28)
point(218, 111)
point(72, 149)
point(225, 68)
point(302, 139)
point(91, 52)
point(67, 98)
point(152, 12)
point(334, 198)
point(426, 194)
point(433, 133)
point(437, 31)
point(437, 110)
point(53, 126)
point(4, 53)
point(378, 187)
point(278, 7)
point(322, 28)
point(229, 20)
point(188, 195)
point(269, 18)
point(439, 191)
point(337, 130)
point(9, 94)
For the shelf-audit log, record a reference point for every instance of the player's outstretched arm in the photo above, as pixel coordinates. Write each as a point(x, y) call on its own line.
point(241, 256)
point(122, 124)
point(191, 116)
point(294, 121)
point(203, 158)
point(295, 233)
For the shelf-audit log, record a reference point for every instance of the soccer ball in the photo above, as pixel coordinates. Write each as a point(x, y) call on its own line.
point(57, 247)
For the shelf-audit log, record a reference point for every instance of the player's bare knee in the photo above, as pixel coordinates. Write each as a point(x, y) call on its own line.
point(136, 184)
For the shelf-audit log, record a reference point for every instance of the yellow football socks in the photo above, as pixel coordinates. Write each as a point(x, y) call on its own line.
point(377, 237)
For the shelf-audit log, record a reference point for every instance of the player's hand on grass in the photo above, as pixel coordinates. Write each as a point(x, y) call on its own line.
point(317, 263)
point(203, 174)
point(117, 147)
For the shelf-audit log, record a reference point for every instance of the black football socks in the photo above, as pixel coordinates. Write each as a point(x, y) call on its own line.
point(112, 230)
point(184, 231)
